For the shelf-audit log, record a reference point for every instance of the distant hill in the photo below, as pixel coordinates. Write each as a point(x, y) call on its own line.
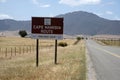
point(74, 23)
point(12, 25)
point(88, 23)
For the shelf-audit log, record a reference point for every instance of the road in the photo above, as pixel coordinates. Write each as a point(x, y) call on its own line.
point(105, 59)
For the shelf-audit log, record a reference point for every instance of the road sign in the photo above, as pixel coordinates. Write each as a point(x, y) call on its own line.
point(47, 28)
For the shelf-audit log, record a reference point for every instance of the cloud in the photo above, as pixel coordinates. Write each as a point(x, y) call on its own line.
point(99, 14)
point(109, 12)
point(5, 16)
point(36, 2)
point(79, 2)
point(45, 6)
point(117, 18)
point(51, 15)
point(2, 1)
point(108, 4)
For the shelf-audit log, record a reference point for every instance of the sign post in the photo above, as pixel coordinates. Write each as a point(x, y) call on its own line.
point(56, 51)
point(47, 28)
point(37, 52)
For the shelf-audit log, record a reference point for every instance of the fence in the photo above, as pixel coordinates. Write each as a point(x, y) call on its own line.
point(108, 41)
point(112, 42)
point(12, 51)
point(9, 52)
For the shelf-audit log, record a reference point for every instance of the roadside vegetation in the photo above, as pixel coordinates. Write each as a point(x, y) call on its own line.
point(71, 61)
point(110, 42)
point(22, 33)
point(78, 39)
point(62, 44)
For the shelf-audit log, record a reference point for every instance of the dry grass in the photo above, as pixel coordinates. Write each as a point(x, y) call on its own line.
point(17, 41)
point(71, 62)
point(110, 42)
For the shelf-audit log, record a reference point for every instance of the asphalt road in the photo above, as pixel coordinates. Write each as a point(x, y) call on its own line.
point(105, 59)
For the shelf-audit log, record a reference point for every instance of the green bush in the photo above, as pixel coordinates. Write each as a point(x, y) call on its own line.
point(62, 44)
point(22, 33)
point(78, 38)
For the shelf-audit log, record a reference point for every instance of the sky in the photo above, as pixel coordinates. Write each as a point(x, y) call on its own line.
point(25, 9)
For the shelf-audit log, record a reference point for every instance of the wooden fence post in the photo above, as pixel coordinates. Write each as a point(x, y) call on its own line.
point(33, 48)
point(27, 49)
point(11, 52)
point(30, 48)
point(15, 51)
point(110, 41)
point(0, 50)
point(23, 49)
point(6, 52)
point(119, 42)
point(19, 50)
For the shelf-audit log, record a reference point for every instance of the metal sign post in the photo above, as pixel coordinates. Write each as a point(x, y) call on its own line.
point(56, 51)
point(37, 52)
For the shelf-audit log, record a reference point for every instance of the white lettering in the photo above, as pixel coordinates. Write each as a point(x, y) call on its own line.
point(52, 27)
point(37, 27)
point(47, 31)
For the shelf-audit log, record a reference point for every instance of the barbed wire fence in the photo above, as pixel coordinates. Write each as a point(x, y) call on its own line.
point(9, 52)
point(13, 51)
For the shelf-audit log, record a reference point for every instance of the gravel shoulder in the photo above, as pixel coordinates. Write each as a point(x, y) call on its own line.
point(91, 74)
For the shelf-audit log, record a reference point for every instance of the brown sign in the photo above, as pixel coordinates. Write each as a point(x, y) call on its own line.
point(47, 25)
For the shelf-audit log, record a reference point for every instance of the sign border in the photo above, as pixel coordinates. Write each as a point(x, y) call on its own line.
point(47, 36)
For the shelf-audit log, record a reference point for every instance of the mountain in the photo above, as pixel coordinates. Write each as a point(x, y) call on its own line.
point(78, 22)
point(12, 25)
point(88, 23)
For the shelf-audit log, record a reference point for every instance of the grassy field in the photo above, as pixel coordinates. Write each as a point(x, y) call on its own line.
point(111, 42)
point(71, 61)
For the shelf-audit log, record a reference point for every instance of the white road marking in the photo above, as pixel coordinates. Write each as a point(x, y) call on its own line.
point(113, 54)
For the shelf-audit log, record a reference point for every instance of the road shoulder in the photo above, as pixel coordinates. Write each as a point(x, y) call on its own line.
point(91, 74)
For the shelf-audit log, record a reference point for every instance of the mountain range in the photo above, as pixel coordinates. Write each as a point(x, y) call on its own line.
point(75, 23)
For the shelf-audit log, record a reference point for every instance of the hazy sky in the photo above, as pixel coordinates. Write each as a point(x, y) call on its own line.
point(24, 9)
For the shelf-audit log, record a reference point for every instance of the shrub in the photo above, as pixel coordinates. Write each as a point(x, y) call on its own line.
point(62, 44)
point(78, 38)
point(22, 33)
